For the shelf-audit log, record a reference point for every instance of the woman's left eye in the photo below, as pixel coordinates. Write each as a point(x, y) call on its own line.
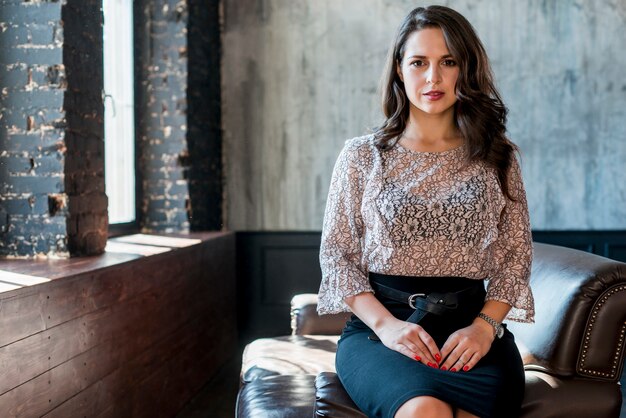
point(449, 63)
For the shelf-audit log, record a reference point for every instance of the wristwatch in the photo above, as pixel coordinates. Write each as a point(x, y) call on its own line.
point(495, 324)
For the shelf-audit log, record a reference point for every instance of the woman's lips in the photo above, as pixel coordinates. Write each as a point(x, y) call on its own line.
point(434, 95)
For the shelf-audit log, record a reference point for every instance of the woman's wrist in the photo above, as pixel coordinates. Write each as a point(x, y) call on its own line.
point(381, 322)
point(485, 326)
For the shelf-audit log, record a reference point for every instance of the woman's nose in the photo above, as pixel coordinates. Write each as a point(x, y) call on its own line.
point(433, 76)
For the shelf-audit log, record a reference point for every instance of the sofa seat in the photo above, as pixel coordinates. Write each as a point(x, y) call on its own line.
point(279, 396)
point(302, 367)
point(289, 355)
point(546, 396)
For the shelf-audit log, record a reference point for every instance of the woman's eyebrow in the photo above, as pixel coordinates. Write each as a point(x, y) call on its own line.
point(424, 56)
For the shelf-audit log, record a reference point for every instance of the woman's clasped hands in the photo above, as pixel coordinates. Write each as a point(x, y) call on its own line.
point(462, 350)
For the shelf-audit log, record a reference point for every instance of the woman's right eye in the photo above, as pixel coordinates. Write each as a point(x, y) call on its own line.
point(417, 63)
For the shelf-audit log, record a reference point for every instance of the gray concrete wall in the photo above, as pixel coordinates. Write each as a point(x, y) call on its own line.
point(300, 77)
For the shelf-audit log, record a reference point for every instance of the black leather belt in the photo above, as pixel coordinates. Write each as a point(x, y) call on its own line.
point(437, 303)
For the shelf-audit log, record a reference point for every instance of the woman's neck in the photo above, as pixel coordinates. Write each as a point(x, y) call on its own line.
point(431, 133)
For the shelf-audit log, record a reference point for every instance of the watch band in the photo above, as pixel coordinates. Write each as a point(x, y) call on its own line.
point(497, 326)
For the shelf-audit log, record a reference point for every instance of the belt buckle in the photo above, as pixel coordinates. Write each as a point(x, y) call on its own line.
point(412, 299)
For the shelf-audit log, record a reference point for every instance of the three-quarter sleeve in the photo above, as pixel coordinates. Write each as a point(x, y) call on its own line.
point(343, 272)
point(512, 253)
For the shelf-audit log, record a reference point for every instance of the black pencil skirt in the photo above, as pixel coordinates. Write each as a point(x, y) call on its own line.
point(380, 380)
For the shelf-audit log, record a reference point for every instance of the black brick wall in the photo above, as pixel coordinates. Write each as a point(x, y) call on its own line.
point(178, 114)
point(161, 118)
point(87, 222)
point(32, 129)
point(52, 199)
point(51, 131)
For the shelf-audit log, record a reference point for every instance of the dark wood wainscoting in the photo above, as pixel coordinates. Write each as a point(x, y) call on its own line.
point(273, 266)
point(117, 335)
point(610, 244)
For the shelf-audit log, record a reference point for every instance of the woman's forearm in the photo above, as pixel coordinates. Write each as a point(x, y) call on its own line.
point(369, 310)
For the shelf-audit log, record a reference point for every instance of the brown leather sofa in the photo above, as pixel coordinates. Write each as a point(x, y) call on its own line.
point(573, 354)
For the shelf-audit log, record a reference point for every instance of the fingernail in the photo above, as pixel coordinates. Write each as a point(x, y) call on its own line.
point(430, 364)
point(444, 368)
point(465, 368)
point(438, 357)
point(418, 358)
point(453, 369)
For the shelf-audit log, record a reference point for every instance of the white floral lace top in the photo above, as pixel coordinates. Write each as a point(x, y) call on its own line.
point(409, 213)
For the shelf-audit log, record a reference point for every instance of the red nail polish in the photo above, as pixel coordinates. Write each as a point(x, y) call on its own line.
point(465, 368)
point(438, 357)
point(418, 358)
point(444, 368)
point(453, 369)
point(430, 364)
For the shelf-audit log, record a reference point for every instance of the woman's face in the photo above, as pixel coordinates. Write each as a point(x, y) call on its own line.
point(429, 72)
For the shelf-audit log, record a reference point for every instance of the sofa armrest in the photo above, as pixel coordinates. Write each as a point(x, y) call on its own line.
point(305, 320)
point(580, 303)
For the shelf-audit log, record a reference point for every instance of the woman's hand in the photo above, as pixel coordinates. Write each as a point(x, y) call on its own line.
point(465, 347)
point(409, 339)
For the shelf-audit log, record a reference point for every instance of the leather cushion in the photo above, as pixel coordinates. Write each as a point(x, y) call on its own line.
point(332, 400)
point(277, 397)
point(553, 397)
point(306, 321)
point(289, 355)
point(545, 397)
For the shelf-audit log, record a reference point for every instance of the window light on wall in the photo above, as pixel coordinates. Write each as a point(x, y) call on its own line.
point(119, 118)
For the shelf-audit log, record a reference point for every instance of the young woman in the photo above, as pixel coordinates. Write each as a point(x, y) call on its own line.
point(419, 216)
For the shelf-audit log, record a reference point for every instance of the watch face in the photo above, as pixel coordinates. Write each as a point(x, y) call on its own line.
point(500, 331)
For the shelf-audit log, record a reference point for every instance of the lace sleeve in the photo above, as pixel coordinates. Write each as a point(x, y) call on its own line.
point(343, 274)
point(510, 275)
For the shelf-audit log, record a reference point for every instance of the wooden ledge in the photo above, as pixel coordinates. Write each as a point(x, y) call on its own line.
point(136, 331)
point(18, 274)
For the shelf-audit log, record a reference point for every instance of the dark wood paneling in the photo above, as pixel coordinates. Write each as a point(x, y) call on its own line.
point(616, 251)
point(281, 263)
point(273, 266)
point(611, 244)
point(136, 338)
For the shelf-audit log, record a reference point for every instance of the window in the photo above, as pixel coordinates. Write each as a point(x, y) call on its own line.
point(119, 118)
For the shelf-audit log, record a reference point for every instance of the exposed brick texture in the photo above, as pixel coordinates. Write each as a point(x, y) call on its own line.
point(52, 199)
point(161, 85)
point(87, 222)
point(32, 129)
point(178, 119)
point(51, 131)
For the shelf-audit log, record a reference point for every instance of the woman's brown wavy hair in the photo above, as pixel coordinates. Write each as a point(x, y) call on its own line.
point(479, 113)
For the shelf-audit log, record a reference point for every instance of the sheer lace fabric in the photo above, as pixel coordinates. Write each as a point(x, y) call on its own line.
point(411, 213)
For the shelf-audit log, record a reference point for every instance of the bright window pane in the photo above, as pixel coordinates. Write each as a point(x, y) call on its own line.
point(119, 118)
